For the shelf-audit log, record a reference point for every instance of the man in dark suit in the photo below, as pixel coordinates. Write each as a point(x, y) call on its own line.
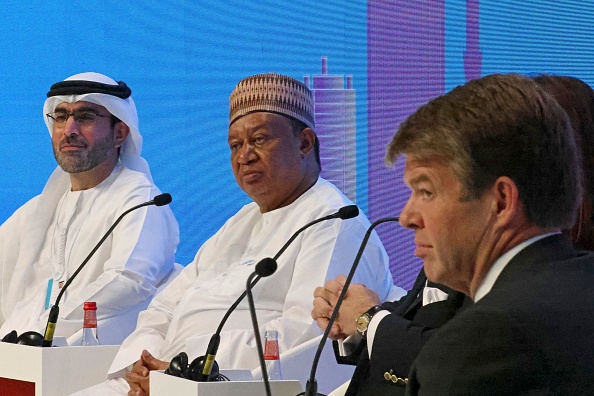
point(400, 335)
point(495, 175)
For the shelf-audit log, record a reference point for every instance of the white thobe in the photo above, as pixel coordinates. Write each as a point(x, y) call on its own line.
point(121, 276)
point(185, 314)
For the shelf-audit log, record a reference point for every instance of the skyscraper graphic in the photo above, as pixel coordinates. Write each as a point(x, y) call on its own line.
point(334, 102)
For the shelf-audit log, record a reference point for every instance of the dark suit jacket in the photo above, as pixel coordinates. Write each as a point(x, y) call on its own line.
point(533, 334)
point(399, 339)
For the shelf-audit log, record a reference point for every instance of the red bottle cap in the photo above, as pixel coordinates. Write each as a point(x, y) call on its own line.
point(90, 305)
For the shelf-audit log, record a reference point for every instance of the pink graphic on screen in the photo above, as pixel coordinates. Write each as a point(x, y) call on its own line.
point(406, 68)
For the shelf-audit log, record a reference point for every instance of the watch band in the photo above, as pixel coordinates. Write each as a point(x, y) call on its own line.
point(373, 310)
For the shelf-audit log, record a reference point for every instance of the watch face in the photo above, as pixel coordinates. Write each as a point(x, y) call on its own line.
point(362, 323)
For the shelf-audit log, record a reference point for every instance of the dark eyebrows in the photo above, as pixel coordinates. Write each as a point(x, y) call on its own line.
point(62, 109)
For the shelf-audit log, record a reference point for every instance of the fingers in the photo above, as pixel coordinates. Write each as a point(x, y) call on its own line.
point(321, 312)
point(325, 299)
point(320, 292)
point(138, 392)
point(341, 279)
point(335, 332)
point(139, 384)
point(134, 379)
point(139, 368)
point(138, 377)
point(146, 358)
point(322, 323)
point(335, 286)
point(321, 308)
point(323, 305)
point(328, 293)
point(133, 382)
point(151, 362)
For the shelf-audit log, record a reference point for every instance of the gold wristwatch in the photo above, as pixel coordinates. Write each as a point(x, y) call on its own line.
point(364, 320)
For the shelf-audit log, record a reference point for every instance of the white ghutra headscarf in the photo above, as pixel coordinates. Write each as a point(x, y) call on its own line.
point(89, 87)
point(124, 109)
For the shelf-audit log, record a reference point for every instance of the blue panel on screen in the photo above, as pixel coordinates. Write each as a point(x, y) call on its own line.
point(183, 58)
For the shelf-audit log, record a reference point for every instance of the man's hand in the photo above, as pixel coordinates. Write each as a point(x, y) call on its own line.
point(138, 377)
point(323, 306)
point(358, 300)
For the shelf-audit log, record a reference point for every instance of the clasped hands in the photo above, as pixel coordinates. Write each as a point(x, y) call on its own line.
point(358, 300)
point(138, 377)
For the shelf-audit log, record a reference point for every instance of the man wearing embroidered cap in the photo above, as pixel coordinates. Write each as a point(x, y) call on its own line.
point(275, 160)
point(93, 125)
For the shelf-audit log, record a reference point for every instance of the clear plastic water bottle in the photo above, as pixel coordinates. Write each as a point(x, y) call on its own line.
point(89, 336)
point(271, 355)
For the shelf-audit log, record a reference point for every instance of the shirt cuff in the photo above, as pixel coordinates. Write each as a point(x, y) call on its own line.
point(349, 344)
point(372, 328)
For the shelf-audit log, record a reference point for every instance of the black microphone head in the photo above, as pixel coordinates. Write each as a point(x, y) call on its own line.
point(162, 199)
point(348, 212)
point(266, 267)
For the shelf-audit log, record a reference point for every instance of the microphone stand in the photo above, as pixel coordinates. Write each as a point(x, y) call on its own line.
point(48, 338)
point(343, 213)
point(346, 212)
point(252, 306)
point(264, 268)
point(311, 387)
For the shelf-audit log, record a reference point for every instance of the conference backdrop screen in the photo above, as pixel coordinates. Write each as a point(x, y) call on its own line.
point(369, 63)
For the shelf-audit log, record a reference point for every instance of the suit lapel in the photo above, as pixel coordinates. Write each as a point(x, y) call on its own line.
point(405, 305)
point(414, 297)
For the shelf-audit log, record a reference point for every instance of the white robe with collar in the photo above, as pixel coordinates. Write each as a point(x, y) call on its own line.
point(122, 275)
point(185, 314)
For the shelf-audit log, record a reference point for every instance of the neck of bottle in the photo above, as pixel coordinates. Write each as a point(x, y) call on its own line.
point(90, 320)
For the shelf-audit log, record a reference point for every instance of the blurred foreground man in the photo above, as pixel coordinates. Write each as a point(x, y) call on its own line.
point(275, 160)
point(495, 175)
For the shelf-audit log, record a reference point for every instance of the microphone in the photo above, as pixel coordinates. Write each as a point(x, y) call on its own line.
point(311, 388)
point(268, 266)
point(159, 200)
point(48, 337)
point(265, 267)
point(346, 212)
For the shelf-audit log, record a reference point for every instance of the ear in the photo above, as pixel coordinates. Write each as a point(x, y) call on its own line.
point(120, 133)
point(506, 203)
point(307, 137)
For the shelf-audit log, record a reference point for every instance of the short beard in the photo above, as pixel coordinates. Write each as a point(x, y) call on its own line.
point(81, 162)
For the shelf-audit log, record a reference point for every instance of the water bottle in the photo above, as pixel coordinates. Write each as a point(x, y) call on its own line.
point(271, 355)
point(89, 336)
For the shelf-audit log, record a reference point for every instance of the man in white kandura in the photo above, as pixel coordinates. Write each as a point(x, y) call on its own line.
point(275, 160)
point(93, 125)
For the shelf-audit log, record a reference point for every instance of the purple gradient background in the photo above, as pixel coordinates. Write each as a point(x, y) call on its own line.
point(406, 69)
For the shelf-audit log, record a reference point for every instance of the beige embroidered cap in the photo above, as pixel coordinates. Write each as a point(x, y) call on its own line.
point(273, 93)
